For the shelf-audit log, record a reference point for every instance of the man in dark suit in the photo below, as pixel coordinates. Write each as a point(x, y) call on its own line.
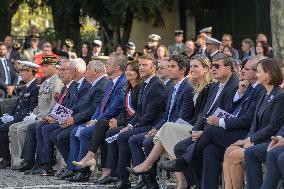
point(110, 107)
point(220, 95)
point(82, 112)
point(224, 131)
point(24, 105)
point(69, 73)
point(8, 77)
point(163, 73)
point(12, 55)
point(180, 105)
point(152, 100)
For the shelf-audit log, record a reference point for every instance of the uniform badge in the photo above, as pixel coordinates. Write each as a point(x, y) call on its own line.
point(46, 90)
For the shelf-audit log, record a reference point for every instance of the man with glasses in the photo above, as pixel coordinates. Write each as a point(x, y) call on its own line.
point(220, 96)
point(227, 41)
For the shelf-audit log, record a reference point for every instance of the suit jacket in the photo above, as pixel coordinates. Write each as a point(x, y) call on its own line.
point(14, 78)
point(173, 49)
point(26, 102)
point(46, 99)
point(271, 118)
point(124, 117)
point(224, 101)
point(14, 55)
point(82, 91)
point(182, 107)
point(71, 96)
point(169, 85)
point(200, 103)
point(115, 103)
point(87, 104)
point(152, 103)
point(248, 106)
point(281, 131)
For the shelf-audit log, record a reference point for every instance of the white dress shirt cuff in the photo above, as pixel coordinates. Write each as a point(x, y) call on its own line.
point(222, 123)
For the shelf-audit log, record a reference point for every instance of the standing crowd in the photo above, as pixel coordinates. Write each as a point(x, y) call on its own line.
point(210, 108)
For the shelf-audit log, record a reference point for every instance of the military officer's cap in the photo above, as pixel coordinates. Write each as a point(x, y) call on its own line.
point(130, 45)
point(26, 65)
point(154, 37)
point(206, 30)
point(97, 43)
point(35, 36)
point(17, 46)
point(49, 59)
point(213, 41)
point(178, 32)
point(69, 43)
point(101, 58)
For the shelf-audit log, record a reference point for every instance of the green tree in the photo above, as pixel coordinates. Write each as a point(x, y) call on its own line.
point(116, 16)
point(7, 10)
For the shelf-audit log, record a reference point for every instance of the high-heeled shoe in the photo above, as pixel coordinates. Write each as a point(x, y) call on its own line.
point(132, 171)
point(90, 163)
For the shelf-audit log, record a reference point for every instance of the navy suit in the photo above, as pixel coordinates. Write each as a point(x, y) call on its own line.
point(152, 100)
point(13, 77)
point(114, 104)
point(267, 122)
point(141, 146)
point(82, 112)
point(45, 149)
point(218, 139)
point(224, 101)
point(24, 105)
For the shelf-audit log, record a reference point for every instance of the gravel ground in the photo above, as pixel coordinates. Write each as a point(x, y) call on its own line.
point(14, 179)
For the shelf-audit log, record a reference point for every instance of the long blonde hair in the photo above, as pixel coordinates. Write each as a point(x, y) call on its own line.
point(205, 62)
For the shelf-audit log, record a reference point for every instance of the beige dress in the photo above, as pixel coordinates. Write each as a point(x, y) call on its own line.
point(172, 133)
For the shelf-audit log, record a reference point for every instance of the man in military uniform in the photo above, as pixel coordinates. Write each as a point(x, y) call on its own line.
point(178, 47)
point(31, 52)
point(130, 47)
point(46, 101)
point(97, 47)
point(212, 47)
point(25, 104)
point(153, 43)
point(207, 31)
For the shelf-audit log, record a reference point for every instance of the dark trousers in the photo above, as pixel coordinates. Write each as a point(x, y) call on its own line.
point(61, 139)
point(4, 140)
point(78, 145)
point(254, 157)
point(45, 147)
point(123, 150)
point(29, 148)
point(274, 171)
point(140, 147)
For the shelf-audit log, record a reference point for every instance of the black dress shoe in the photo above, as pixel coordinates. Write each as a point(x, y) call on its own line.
point(132, 171)
point(66, 174)
point(176, 165)
point(79, 177)
point(35, 168)
point(47, 172)
point(122, 184)
point(5, 163)
point(106, 180)
point(26, 166)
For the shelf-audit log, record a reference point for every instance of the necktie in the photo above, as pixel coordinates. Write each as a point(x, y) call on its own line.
point(7, 72)
point(172, 102)
point(105, 100)
point(63, 95)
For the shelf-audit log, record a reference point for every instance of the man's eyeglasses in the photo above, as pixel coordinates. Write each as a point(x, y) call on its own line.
point(217, 66)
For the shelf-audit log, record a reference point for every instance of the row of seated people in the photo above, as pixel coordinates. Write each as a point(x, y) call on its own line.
point(136, 116)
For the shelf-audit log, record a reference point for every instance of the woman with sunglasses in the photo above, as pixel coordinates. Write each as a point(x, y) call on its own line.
point(267, 121)
point(201, 82)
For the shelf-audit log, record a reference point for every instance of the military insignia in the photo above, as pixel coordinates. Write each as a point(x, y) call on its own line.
point(46, 91)
point(27, 94)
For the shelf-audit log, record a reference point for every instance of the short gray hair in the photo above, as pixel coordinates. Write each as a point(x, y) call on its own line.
point(98, 65)
point(120, 60)
point(79, 64)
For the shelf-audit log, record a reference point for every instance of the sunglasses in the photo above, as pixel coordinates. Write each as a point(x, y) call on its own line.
point(217, 66)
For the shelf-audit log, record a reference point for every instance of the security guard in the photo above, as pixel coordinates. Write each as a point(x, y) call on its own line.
point(25, 104)
point(178, 47)
point(46, 101)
